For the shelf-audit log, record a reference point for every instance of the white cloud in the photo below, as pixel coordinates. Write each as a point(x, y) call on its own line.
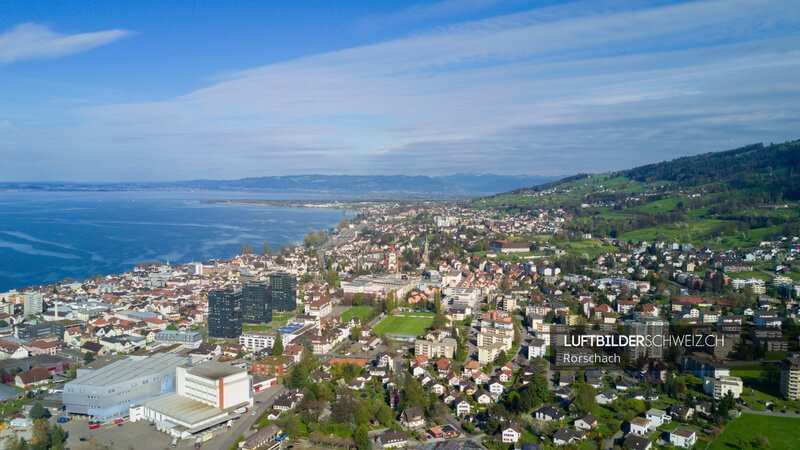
point(560, 90)
point(33, 41)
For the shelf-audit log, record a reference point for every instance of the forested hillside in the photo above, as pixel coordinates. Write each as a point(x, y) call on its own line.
point(731, 198)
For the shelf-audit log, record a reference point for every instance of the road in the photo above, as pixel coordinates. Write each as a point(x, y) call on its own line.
point(343, 237)
point(790, 414)
point(246, 420)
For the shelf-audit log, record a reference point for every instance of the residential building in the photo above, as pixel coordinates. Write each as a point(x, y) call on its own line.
point(510, 432)
point(790, 378)
point(257, 340)
point(393, 439)
point(33, 304)
point(273, 365)
point(435, 347)
point(719, 387)
point(682, 437)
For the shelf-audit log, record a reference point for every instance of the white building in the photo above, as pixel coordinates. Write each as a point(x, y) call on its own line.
point(206, 395)
point(215, 384)
point(257, 340)
point(33, 304)
point(682, 437)
point(537, 349)
point(718, 387)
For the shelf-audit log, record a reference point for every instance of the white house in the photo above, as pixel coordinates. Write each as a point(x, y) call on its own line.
point(605, 397)
point(586, 422)
point(640, 426)
point(462, 406)
point(658, 417)
point(682, 437)
point(510, 432)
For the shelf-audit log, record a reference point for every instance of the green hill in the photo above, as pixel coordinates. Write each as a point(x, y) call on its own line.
point(731, 198)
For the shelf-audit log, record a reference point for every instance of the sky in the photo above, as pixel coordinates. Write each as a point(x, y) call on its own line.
point(157, 91)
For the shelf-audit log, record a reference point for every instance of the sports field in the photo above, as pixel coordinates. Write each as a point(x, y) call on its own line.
point(782, 432)
point(362, 312)
point(401, 324)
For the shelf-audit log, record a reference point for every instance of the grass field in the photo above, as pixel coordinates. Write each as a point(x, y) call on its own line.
point(362, 312)
point(401, 324)
point(782, 432)
point(248, 327)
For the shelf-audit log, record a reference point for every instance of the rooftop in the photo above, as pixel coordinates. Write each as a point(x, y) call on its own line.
point(130, 368)
point(215, 370)
point(184, 409)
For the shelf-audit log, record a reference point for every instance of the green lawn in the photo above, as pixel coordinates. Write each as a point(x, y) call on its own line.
point(247, 327)
point(362, 312)
point(782, 432)
point(754, 274)
point(400, 324)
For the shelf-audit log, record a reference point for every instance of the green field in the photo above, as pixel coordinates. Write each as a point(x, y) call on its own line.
point(362, 312)
point(782, 432)
point(248, 327)
point(401, 324)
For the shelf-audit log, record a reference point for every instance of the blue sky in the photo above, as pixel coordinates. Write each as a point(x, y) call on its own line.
point(104, 91)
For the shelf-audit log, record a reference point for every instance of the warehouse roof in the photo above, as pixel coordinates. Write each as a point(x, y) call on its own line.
point(129, 369)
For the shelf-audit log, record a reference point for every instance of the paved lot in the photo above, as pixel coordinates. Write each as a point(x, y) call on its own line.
point(141, 435)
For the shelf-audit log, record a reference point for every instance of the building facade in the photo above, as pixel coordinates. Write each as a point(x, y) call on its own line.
point(790, 378)
point(108, 392)
point(215, 384)
point(224, 313)
point(256, 304)
point(283, 288)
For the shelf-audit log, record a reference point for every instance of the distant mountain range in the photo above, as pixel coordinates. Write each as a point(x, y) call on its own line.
point(355, 186)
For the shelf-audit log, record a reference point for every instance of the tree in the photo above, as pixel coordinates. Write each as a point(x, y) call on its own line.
point(58, 437)
point(266, 248)
point(298, 377)
point(88, 357)
point(41, 432)
point(437, 301)
point(413, 394)
point(16, 443)
point(502, 358)
point(385, 415)
point(277, 347)
point(355, 333)
point(439, 321)
point(361, 437)
point(584, 399)
point(343, 407)
point(38, 411)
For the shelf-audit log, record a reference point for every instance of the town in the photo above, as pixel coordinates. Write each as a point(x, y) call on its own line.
point(434, 326)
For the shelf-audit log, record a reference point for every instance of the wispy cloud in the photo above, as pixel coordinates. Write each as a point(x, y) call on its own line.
point(582, 87)
point(34, 41)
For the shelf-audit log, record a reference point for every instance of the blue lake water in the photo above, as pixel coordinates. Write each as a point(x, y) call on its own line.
point(48, 236)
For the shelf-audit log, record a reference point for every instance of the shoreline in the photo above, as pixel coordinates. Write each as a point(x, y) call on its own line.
point(349, 213)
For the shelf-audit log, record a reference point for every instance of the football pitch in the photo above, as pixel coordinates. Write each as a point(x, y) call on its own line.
point(400, 324)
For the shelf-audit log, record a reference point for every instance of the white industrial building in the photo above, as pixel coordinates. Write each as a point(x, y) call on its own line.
point(206, 395)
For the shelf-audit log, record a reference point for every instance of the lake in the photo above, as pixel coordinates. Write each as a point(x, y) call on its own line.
point(48, 236)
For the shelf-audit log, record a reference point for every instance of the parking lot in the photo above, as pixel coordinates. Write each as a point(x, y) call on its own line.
point(136, 436)
point(140, 435)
